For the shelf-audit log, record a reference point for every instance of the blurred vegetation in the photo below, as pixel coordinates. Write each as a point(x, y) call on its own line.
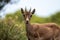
point(12, 27)
point(54, 18)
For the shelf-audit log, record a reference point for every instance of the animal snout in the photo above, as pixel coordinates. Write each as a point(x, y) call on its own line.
point(27, 19)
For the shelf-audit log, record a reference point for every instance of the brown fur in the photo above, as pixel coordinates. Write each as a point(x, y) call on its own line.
point(42, 31)
point(46, 31)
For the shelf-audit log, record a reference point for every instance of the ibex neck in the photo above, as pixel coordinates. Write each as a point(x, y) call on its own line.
point(28, 26)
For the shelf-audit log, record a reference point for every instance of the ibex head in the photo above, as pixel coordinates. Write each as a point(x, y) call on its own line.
point(27, 14)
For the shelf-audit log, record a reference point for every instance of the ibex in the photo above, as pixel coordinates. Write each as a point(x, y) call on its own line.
point(46, 31)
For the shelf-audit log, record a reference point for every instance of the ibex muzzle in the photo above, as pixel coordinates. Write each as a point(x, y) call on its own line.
point(27, 20)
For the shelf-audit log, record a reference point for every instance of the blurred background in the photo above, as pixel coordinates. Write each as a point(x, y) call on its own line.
point(12, 26)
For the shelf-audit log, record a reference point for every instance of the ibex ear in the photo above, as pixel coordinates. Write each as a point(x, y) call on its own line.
point(22, 10)
point(33, 11)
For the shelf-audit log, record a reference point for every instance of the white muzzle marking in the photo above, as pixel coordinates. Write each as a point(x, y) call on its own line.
point(27, 19)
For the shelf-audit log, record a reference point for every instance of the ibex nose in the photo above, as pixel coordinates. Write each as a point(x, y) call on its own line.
point(27, 20)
